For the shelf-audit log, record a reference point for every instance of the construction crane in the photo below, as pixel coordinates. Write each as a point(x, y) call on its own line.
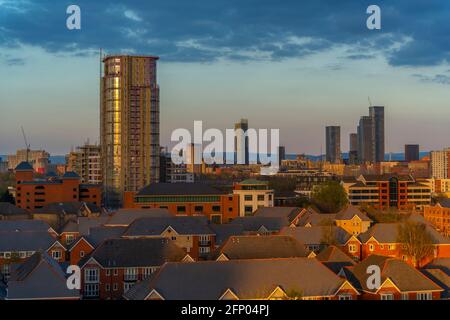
point(27, 145)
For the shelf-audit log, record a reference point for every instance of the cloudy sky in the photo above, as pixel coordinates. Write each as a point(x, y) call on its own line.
point(296, 65)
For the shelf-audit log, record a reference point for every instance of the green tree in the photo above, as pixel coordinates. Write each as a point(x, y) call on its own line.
point(7, 197)
point(416, 241)
point(329, 197)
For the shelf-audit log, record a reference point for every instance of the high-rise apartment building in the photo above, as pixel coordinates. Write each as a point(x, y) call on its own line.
point(353, 150)
point(411, 152)
point(377, 116)
point(371, 146)
point(129, 122)
point(333, 144)
point(39, 159)
point(440, 166)
point(241, 142)
point(86, 162)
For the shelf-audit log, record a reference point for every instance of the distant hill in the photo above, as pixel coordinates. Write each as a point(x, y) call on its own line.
point(399, 156)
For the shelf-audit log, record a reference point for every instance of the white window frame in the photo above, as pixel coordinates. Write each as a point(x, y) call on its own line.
point(56, 254)
point(131, 274)
point(424, 296)
point(148, 271)
point(91, 290)
point(352, 248)
point(387, 296)
point(91, 275)
point(345, 296)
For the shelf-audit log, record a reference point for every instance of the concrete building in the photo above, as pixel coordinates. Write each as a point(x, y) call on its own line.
point(174, 173)
point(253, 194)
point(371, 146)
point(411, 152)
point(440, 164)
point(39, 159)
point(129, 121)
point(365, 138)
point(333, 144)
point(86, 162)
point(353, 150)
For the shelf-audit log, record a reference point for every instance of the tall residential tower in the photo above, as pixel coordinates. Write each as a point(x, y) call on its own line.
point(129, 124)
point(333, 144)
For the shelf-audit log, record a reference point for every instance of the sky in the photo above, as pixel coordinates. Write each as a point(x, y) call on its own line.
point(297, 66)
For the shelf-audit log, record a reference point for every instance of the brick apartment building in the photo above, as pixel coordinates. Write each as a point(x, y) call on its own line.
point(388, 191)
point(439, 216)
point(186, 199)
point(34, 194)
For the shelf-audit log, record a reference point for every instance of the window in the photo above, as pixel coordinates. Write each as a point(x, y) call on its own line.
point(203, 250)
point(405, 296)
point(198, 209)
point(352, 248)
point(248, 210)
point(147, 272)
point(216, 208)
point(345, 297)
point(81, 254)
point(127, 286)
point(91, 290)
point(181, 209)
point(392, 247)
point(23, 254)
point(217, 218)
point(56, 254)
point(116, 272)
point(91, 275)
point(260, 197)
point(7, 255)
point(387, 296)
point(115, 287)
point(424, 296)
point(371, 247)
point(131, 274)
point(69, 238)
point(248, 197)
point(107, 287)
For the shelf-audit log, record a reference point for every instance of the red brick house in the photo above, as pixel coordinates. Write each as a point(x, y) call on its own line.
point(399, 280)
point(117, 264)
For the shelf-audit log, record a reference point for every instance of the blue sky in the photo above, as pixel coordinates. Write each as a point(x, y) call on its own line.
point(293, 65)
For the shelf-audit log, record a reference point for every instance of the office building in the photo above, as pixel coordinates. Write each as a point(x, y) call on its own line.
point(411, 152)
point(129, 122)
point(174, 173)
point(333, 144)
point(281, 155)
point(241, 142)
point(253, 194)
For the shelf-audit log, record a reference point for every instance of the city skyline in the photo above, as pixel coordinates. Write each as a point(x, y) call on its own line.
point(300, 80)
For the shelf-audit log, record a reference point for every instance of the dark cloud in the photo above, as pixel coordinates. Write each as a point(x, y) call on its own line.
point(205, 30)
point(438, 78)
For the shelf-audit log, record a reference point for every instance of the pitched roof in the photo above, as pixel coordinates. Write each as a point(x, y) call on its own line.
point(247, 279)
point(147, 252)
point(25, 241)
point(289, 213)
point(181, 188)
point(315, 218)
point(99, 234)
point(86, 223)
point(24, 225)
point(260, 247)
point(24, 166)
point(8, 209)
point(224, 231)
point(63, 208)
point(315, 235)
point(445, 203)
point(404, 276)
point(27, 279)
point(254, 223)
point(187, 225)
point(335, 259)
point(387, 233)
point(441, 278)
point(349, 212)
point(124, 217)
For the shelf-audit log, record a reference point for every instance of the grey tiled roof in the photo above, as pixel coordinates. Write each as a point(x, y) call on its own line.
point(8, 209)
point(24, 166)
point(39, 277)
point(25, 241)
point(316, 219)
point(315, 235)
point(185, 225)
point(85, 223)
point(404, 276)
point(98, 234)
point(260, 247)
point(349, 212)
point(178, 189)
point(63, 208)
point(387, 233)
point(124, 217)
point(334, 254)
point(254, 223)
point(289, 213)
point(445, 203)
point(147, 252)
point(245, 278)
point(224, 231)
point(24, 225)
